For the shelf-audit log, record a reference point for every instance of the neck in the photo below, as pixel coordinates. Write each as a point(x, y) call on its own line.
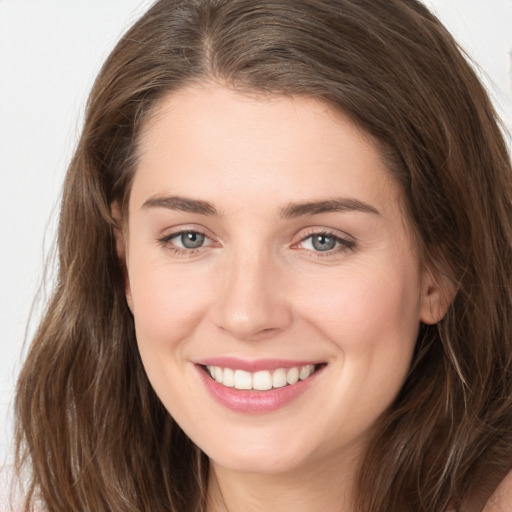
point(320, 487)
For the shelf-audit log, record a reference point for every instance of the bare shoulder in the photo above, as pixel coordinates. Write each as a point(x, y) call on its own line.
point(501, 499)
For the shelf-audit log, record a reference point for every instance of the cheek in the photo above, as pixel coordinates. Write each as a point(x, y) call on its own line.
point(365, 309)
point(167, 305)
point(372, 317)
point(167, 308)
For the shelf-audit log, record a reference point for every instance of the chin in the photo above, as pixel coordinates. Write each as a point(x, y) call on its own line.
point(259, 454)
point(257, 463)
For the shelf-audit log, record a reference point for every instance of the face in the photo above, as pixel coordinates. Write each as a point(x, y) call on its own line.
point(274, 287)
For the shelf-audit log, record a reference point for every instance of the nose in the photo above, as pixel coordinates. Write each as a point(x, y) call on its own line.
point(251, 303)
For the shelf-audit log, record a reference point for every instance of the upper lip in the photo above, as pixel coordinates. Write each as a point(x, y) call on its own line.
point(254, 365)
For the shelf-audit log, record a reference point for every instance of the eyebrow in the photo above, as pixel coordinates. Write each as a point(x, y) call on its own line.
point(328, 206)
point(291, 210)
point(183, 204)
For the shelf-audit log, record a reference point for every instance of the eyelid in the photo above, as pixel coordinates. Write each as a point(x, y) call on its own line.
point(185, 228)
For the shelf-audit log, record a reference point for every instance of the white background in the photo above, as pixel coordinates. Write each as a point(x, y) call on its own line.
point(50, 52)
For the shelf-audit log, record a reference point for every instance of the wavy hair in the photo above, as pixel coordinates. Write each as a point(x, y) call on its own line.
point(89, 426)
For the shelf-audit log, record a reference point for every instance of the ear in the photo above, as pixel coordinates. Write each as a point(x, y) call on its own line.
point(120, 234)
point(437, 293)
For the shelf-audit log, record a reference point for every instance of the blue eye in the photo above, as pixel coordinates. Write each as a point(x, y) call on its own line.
point(185, 241)
point(191, 239)
point(322, 242)
point(326, 243)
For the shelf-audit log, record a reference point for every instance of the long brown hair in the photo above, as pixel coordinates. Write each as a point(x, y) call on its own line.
point(89, 426)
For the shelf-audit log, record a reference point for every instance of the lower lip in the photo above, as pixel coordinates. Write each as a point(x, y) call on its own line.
point(256, 401)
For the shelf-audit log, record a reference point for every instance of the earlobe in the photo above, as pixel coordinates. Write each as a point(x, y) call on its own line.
point(437, 293)
point(120, 237)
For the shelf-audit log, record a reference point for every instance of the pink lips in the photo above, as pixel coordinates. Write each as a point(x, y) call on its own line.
point(253, 401)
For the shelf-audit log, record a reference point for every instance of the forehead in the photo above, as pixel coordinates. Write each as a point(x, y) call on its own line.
point(215, 139)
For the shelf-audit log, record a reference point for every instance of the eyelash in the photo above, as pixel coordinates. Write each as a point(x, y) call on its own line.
point(342, 244)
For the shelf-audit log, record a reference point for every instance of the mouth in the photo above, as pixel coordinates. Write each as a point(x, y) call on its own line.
point(263, 380)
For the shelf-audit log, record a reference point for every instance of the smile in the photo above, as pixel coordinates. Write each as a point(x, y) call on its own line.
point(259, 386)
point(261, 380)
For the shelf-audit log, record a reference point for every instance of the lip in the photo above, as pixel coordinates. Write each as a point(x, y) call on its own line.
point(255, 402)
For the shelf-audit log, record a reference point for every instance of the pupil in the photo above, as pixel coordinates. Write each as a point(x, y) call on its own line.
point(192, 240)
point(323, 242)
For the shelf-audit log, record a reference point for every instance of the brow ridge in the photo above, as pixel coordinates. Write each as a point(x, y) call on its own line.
point(327, 206)
point(291, 210)
point(180, 203)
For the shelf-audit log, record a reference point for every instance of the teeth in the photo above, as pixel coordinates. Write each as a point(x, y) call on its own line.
point(243, 379)
point(228, 378)
point(279, 378)
point(306, 371)
point(292, 376)
point(262, 380)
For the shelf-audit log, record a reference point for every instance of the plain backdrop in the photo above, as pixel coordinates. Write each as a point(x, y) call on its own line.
point(50, 52)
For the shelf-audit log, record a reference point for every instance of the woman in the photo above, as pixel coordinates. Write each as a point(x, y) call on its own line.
point(285, 269)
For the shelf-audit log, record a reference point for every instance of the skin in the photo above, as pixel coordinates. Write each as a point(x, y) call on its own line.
point(258, 287)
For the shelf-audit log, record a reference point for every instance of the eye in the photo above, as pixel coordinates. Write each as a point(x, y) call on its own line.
point(186, 242)
point(322, 242)
point(325, 242)
point(189, 239)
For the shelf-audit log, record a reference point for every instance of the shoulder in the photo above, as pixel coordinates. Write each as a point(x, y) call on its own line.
point(501, 499)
